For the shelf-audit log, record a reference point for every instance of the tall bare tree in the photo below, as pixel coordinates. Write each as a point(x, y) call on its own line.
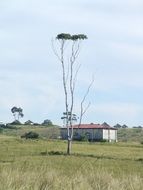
point(69, 75)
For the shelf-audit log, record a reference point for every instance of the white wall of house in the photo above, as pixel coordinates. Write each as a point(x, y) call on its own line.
point(110, 134)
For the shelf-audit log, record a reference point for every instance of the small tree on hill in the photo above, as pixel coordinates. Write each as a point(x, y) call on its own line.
point(17, 112)
point(47, 122)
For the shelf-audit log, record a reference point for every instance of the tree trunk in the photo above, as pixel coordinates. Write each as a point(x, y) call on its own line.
point(69, 146)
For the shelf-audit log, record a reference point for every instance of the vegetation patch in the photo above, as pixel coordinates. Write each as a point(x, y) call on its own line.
point(1, 130)
point(30, 135)
point(43, 164)
point(56, 153)
point(140, 159)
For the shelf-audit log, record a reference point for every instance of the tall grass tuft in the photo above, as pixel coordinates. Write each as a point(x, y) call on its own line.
point(42, 178)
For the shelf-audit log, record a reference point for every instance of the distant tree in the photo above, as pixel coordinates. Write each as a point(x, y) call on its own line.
point(117, 126)
point(29, 122)
point(70, 117)
point(124, 126)
point(139, 127)
point(47, 122)
point(15, 122)
point(105, 124)
point(17, 112)
point(14, 111)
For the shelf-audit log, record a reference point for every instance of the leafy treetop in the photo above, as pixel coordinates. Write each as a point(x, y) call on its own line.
point(65, 36)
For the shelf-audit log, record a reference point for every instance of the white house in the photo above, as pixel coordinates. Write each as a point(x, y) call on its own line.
point(94, 132)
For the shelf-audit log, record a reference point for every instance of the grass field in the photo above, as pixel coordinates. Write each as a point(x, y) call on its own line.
point(130, 134)
point(42, 164)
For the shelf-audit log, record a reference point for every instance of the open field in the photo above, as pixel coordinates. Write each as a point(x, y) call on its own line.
point(42, 164)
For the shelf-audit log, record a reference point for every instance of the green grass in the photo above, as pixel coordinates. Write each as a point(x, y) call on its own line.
point(130, 134)
point(44, 132)
point(33, 165)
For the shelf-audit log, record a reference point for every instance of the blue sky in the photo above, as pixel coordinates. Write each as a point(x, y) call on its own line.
point(30, 74)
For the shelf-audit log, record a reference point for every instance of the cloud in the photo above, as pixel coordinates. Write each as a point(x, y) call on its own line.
point(117, 109)
point(115, 112)
point(30, 74)
point(37, 95)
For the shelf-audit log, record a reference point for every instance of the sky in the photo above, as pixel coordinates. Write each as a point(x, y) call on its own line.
point(30, 74)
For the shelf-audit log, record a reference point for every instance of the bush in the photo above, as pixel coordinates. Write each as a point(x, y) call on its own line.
point(9, 126)
point(16, 122)
point(82, 137)
point(36, 124)
point(103, 140)
point(30, 135)
point(2, 126)
point(1, 130)
point(56, 153)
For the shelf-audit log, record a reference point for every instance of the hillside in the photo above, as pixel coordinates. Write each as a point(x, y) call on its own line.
point(130, 134)
point(53, 132)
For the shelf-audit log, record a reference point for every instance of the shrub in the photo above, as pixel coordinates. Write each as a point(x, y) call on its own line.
point(16, 122)
point(1, 130)
point(2, 126)
point(30, 135)
point(103, 140)
point(9, 126)
point(36, 124)
point(82, 137)
point(56, 153)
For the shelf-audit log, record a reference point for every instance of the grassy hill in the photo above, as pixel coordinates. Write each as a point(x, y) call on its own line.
point(130, 134)
point(48, 132)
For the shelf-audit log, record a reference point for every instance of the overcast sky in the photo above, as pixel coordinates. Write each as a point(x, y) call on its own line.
point(30, 74)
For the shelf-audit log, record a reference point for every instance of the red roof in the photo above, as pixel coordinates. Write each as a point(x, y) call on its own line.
point(93, 126)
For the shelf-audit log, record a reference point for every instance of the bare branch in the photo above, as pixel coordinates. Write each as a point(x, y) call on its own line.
point(67, 75)
point(75, 51)
point(54, 50)
point(88, 89)
point(83, 110)
point(75, 76)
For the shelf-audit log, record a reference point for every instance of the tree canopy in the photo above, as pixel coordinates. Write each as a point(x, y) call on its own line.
point(65, 36)
point(18, 111)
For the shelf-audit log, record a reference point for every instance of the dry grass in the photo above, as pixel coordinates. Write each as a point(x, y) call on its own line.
point(43, 177)
point(26, 165)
